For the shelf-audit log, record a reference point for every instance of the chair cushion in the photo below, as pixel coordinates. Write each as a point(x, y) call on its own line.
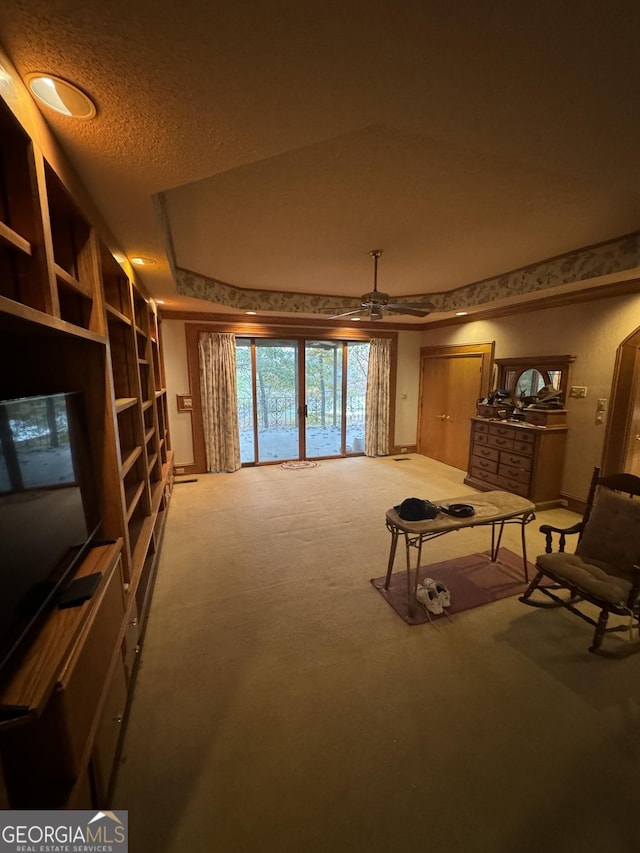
point(612, 535)
point(594, 580)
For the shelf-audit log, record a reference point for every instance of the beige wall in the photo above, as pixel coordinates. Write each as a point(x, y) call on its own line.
point(177, 377)
point(407, 388)
point(592, 332)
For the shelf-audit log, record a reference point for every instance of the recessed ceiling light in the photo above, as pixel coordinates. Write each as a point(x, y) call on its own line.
point(356, 319)
point(141, 261)
point(460, 313)
point(159, 301)
point(250, 312)
point(61, 95)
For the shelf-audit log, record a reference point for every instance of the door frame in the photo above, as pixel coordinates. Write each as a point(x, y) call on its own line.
point(624, 387)
point(485, 351)
point(249, 330)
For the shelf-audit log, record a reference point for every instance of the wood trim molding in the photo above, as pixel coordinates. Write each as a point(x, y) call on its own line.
point(627, 287)
point(239, 324)
point(574, 504)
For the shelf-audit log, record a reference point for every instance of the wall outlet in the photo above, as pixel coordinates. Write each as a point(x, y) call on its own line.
point(178, 470)
point(403, 450)
point(578, 391)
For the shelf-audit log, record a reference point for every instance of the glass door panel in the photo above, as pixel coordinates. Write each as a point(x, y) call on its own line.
point(276, 397)
point(323, 395)
point(246, 408)
point(356, 390)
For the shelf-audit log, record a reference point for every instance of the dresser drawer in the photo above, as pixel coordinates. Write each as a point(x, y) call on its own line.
point(500, 443)
point(523, 463)
point(515, 486)
point(490, 465)
point(501, 431)
point(525, 436)
point(482, 451)
point(486, 476)
point(480, 428)
point(523, 446)
point(514, 473)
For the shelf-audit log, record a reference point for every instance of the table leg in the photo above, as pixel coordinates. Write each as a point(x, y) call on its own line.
point(523, 522)
point(411, 598)
point(412, 586)
point(495, 545)
point(392, 556)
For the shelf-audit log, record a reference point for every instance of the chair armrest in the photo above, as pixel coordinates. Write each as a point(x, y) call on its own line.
point(548, 530)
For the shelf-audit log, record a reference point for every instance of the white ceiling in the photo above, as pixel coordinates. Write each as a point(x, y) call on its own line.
point(281, 141)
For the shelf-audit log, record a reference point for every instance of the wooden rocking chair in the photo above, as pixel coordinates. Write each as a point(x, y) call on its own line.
point(605, 568)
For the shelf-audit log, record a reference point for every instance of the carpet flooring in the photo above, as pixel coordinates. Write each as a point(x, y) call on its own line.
point(281, 705)
point(473, 580)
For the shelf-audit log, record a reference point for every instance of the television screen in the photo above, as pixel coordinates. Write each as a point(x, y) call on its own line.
point(48, 508)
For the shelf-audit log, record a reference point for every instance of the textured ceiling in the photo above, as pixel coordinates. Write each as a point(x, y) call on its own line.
point(271, 145)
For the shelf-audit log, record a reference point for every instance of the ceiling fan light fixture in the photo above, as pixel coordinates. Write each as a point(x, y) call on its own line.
point(375, 304)
point(61, 95)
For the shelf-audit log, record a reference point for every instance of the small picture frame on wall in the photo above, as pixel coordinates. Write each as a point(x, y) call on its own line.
point(185, 402)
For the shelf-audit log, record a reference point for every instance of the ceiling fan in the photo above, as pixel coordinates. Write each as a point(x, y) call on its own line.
point(375, 304)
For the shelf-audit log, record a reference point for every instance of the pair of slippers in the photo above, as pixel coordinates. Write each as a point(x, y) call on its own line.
point(434, 595)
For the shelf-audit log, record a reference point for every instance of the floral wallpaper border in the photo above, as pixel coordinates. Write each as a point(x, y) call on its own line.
point(613, 256)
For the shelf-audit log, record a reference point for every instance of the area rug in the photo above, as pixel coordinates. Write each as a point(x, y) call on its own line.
point(295, 465)
point(472, 581)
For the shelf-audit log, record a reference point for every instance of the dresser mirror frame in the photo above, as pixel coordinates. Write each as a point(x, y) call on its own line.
point(552, 369)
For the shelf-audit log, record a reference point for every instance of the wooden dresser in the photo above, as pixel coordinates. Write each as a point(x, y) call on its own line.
point(523, 458)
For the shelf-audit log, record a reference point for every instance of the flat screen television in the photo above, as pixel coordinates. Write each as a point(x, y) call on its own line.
point(48, 510)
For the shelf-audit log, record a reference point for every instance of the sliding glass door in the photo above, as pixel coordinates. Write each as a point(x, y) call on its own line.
point(300, 399)
point(323, 398)
point(268, 409)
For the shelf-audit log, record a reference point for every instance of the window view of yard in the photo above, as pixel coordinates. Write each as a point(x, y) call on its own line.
point(282, 392)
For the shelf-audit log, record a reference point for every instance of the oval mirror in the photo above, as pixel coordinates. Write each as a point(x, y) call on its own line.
point(529, 383)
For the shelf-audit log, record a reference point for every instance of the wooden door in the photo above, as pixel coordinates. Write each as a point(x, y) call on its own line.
point(450, 386)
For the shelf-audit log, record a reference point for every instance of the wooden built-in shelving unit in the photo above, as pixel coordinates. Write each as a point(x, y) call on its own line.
point(73, 319)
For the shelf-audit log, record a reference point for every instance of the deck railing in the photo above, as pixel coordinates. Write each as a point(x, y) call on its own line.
point(281, 411)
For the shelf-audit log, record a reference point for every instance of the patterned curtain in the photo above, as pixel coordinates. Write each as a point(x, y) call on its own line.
point(376, 434)
point(219, 394)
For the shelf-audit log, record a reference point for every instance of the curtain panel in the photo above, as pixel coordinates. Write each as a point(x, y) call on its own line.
point(219, 396)
point(376, 435)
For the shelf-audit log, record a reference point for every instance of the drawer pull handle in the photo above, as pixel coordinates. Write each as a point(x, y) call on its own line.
point(118, 718)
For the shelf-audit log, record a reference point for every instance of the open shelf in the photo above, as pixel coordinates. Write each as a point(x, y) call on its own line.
point(14, 240)
point(72, 319)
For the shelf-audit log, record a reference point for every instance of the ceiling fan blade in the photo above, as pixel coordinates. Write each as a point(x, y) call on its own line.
point(419, 306)
point(405, 309)
point(348, 314)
